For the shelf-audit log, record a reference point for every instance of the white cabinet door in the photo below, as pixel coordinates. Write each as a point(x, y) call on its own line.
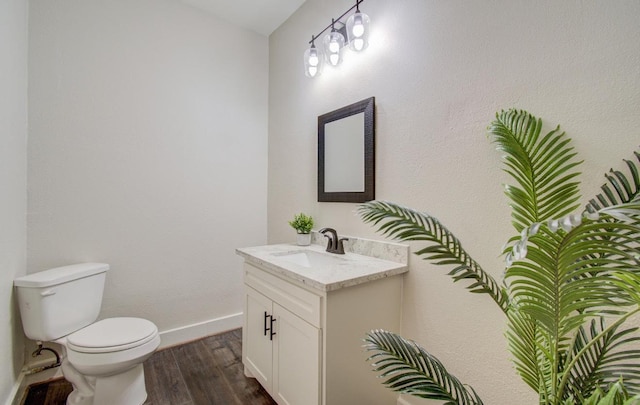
point(258, 347)
point(296, 359)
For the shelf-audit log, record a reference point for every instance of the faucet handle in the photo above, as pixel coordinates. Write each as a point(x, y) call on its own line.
point(333, 239)
point(329, 242)
point(340, 246)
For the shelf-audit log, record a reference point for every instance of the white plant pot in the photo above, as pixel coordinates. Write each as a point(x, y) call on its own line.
point(303, 239)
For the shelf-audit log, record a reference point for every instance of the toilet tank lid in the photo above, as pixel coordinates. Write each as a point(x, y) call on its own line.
point(60, 275)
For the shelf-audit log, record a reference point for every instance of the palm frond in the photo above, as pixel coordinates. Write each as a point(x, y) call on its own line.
point(605, 361)
point(618, 196)
point(542, 167)
point(525, 344)
point(630, 283)
point(620, 188)
point(615, 394)
point(559, 286)
point(444, 248)
point(409, 369)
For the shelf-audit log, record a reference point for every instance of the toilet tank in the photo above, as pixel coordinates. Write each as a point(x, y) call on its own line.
point(56, 302)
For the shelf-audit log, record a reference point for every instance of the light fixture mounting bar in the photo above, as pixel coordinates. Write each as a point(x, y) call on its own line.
point(336, 20)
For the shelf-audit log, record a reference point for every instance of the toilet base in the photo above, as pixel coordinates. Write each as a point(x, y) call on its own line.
point(126, 388)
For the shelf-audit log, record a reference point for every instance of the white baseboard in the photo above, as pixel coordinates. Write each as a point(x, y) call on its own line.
point(15, 395)
point(24, 380)
point(169, 338)
point(199, 330)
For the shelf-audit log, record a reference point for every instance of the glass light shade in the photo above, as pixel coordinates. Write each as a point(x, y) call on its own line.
point(333, 44)
point(358, 31)
point(312, 62)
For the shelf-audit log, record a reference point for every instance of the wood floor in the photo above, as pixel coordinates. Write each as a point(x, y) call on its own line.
point(208, 371)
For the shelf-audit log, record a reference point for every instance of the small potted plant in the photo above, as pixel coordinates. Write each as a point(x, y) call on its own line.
point(302, 224)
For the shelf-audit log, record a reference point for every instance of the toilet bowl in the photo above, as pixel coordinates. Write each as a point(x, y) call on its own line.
point(103, 359)
point(111, 345)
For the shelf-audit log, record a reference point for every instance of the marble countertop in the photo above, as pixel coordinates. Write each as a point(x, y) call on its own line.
point(328, 271)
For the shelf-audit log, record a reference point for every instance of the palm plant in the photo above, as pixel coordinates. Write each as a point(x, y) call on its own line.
point(571, 283)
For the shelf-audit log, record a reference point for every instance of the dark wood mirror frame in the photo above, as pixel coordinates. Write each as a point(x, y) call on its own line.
point(366, 106)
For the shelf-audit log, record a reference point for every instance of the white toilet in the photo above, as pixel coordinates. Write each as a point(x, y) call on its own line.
point(103, 360)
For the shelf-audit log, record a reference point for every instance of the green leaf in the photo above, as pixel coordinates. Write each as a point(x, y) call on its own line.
point(406, 224)
point(524, 344)
point(606, 361)
point(542, 166)
point(560, 286)
point(615, 394)
point(627, 190)
point(409, 369)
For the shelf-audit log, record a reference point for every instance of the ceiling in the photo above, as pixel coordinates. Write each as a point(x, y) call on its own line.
point(261, 16)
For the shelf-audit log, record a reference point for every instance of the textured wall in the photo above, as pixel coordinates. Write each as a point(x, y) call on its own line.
point(439, 71)
point(147, 150)
point(13, 183)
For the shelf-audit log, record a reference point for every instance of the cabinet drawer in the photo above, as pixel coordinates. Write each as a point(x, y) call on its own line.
point(301, 302)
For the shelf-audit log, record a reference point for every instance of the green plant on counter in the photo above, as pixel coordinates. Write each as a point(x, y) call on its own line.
point(571, 281)
point(302, 223)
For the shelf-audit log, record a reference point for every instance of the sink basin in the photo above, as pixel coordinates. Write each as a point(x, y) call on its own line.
point(309, 258)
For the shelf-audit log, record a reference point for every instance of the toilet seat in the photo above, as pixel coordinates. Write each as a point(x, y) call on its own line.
point(112, 335)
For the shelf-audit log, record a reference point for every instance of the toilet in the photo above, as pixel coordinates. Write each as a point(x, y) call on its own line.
point(103, 359)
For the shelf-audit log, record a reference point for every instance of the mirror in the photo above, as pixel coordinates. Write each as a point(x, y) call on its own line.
point(346, 155)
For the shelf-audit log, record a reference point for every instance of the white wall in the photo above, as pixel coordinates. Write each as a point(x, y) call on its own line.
point(13, 181)
point(147, 151)
point(439, 71)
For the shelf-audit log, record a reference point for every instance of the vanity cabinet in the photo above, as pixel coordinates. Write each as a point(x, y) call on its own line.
point(303, 342)
point(281, 350)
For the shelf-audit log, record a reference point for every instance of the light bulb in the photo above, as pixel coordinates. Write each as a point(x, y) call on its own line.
point(313, 58)
point(312, 61)
point(358, 28)
point(358, 31)
point(334, 46)
point(358, 44)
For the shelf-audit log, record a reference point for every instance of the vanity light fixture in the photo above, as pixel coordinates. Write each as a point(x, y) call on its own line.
point(312, 60)
point(358, 30)
point(355, 33)
point(333, 44)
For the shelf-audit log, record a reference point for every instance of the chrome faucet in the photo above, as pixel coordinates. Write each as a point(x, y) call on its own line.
point(335, 244)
